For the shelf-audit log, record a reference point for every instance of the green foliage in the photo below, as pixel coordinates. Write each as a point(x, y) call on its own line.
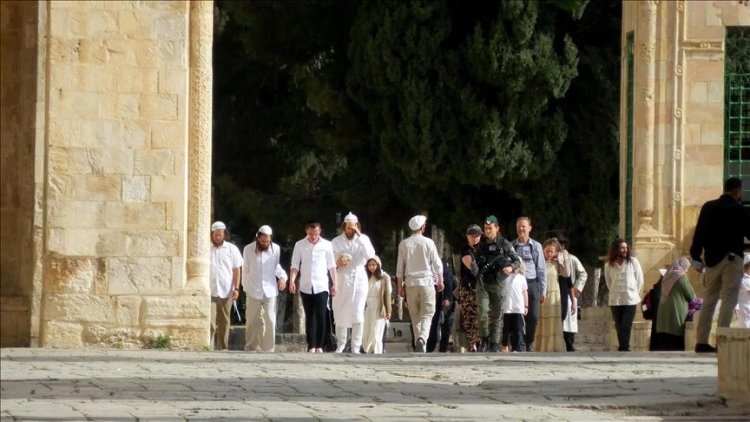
point(389, 108)
point(161, 342)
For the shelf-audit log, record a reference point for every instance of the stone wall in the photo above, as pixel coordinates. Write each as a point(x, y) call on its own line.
point(18, 78)
point(678, 121)
point(117, 130)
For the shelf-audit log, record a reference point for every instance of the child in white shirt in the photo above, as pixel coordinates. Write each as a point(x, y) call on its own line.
point(515, 306)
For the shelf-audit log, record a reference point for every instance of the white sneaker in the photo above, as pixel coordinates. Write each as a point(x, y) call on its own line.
point(340, 349)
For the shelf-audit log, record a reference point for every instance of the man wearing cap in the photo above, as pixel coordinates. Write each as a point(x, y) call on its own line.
point(496, 260)
point(418, 270)
point(352, 249)
point(722, 225)
point(532, 254)
point(262, 278)
point(226, 267)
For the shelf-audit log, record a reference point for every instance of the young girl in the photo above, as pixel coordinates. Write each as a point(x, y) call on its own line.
point(378, 308)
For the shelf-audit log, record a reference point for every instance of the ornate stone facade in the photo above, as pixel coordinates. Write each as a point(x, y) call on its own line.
point(677, 121)
point(106, 135)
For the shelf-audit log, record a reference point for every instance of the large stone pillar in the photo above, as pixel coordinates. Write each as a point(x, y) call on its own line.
point(199, 179)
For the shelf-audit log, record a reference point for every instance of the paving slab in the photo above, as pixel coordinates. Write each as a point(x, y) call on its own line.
point(119, 385)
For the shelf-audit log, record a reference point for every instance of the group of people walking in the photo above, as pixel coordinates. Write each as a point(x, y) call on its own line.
point(519, 295)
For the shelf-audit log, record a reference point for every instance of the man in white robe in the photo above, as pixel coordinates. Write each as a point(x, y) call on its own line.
point(351, 249)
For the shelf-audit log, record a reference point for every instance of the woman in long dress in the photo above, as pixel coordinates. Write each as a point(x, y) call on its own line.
point(676, 294)
point(549, 332)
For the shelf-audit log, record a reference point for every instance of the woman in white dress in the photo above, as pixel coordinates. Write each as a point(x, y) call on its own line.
point(378, 308)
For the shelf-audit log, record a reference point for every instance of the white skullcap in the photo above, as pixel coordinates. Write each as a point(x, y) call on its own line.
point(351, 218)
point(747, 259)
point(416, 222)
point(264, 229)
point(218, 225)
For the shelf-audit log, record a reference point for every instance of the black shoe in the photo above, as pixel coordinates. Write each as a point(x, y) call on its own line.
point(704, 348)
point(485, 343)
point(493, 348)
point(529, 347)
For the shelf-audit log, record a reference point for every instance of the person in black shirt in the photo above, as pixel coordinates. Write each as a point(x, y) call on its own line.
point(467, 292)
point(722, 225)
point(442, 321)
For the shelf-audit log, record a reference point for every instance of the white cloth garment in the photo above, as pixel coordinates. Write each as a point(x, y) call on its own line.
point(315, 260)
point(349, 302)
point(579, 274)
point(224, 259)
point(261, 271)
point(514, 287)
point(625, 282)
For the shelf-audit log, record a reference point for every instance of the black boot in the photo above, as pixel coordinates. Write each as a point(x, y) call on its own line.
point(493, 348)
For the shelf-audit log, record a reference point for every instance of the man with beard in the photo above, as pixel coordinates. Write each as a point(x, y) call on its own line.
point(624, 277)
point(262, 278)
point(224, 281)
point(352, 249)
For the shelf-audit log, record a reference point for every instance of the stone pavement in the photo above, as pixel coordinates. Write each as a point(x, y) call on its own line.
point(119, 385)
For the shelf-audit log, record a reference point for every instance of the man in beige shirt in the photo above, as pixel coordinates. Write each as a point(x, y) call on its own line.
point(418, 270)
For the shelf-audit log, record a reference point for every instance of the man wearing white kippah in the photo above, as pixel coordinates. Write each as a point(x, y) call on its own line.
point(352, 249)
point(262, 278)
point(224, 283)
point(418, 270)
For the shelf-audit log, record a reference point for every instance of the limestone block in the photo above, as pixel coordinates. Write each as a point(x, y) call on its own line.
point(59, 22)
point(91, 160)
point(136, 215)
point(98, 133)
point(712, 134)
point(62, 334)
point(168, 134)
point(734, 363)
point(152, 243)
point(135, 80)
point(706, 113)
point(167, 309)
point(127, 311)
point(121, 52)
point(97, 187)
point(128, 23)
point(112, 336)
point(111, 243)
point(716, 92)
point(139, 276)
point(195, 338)
point(168, 188)
point(126, 107)
point(68, 104)
point(698, 92)
point(68, 274)
point(77, 308)
point(158, 106)
point(136, 133)
point(154, 162)
point(171, 26)
point(136, 189)
point(173, 81)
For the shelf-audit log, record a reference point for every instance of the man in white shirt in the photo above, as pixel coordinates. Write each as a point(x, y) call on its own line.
point(262, 278)
point(352, 249)
point(226, 268)
point(418, 270)
point(313, 260)
point(624, 277)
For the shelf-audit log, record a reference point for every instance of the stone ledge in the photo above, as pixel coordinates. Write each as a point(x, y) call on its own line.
point(734, 363)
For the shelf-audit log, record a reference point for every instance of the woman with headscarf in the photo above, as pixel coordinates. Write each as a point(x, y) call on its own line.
point(676, 294)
